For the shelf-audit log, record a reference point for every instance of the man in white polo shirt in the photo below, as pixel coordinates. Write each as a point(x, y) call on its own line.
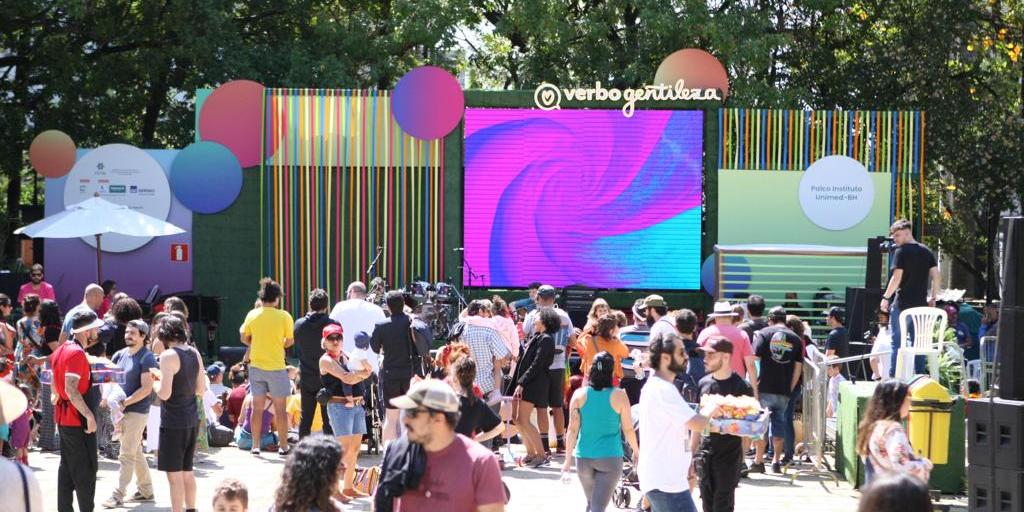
point(356, 315)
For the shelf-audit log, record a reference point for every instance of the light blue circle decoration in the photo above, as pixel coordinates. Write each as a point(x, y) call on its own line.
point(206, 177)
point(736, 263)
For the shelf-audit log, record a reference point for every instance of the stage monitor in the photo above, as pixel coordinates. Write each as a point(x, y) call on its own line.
point(583, 197)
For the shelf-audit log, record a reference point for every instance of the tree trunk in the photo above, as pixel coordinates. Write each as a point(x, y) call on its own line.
point(992, 291)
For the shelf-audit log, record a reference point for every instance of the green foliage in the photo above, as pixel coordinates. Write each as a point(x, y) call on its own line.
point(125, 70)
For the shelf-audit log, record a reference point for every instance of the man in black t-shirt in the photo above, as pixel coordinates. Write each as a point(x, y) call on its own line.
point(755, 316)
point(308, 332)
point(781, 353)
point(913, 265)
point(838, 341)
point(720, 454)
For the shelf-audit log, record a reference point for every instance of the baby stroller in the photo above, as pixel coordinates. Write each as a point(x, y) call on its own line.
point(622, 497)
point(374, 416)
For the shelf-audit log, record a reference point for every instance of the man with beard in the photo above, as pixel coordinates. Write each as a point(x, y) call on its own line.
point(36, 286)
point(665, 464)
point(720, 454)
point(75, 414)
point(453, 461)
point(136, 360)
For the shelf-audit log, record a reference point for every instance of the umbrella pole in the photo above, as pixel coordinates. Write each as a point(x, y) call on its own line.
point(99, 260)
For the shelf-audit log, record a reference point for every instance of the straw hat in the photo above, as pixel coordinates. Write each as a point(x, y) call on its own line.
point(722, 309)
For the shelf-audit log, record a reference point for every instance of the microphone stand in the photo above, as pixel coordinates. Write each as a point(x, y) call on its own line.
point(373, 264)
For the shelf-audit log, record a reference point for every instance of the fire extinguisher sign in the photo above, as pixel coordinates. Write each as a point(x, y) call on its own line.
point(179, 252)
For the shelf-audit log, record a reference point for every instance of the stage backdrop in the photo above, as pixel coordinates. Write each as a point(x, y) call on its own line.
point(341, 181)
point(585, 197)
point(825, 178)
point(121, 174)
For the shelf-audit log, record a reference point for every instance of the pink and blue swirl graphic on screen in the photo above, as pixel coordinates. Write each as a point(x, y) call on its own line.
point(585, 197)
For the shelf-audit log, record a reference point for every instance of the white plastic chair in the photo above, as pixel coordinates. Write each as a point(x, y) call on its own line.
point(929, 328)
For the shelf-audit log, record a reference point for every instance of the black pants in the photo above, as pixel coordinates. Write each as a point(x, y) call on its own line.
point(719, 478)
point(308, 389)
point(77, 471)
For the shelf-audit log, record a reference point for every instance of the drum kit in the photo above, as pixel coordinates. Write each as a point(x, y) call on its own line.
point(438, 304)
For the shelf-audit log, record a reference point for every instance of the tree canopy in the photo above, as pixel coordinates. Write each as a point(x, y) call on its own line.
point(126, 70)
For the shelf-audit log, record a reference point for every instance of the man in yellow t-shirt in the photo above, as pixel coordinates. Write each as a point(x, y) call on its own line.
point(267, 331)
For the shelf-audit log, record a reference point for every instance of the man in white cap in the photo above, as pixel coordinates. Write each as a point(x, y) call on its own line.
point(431, 411)
point(742, 351)
point(75, 414)
point(20, 489)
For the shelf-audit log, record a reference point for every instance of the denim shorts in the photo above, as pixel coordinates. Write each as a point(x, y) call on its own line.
point(671, 501)
point(347, 421)
point(776, 405)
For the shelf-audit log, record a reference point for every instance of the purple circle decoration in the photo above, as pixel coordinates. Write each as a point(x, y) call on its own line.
point(232, 115)
point(206, 177)
point(428, 102)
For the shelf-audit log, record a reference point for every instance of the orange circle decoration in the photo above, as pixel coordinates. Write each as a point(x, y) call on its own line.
point(52, 154)
point(697, 69)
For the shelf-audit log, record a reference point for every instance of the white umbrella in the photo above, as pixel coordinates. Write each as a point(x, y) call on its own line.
point(96, 216)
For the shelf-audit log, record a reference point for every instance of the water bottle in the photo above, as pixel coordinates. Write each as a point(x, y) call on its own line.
point(568, 477)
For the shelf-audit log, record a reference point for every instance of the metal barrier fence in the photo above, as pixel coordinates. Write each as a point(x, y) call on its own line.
point(815, 421)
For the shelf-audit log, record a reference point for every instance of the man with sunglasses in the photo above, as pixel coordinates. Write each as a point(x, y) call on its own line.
point(37, 286)
point(430, 412)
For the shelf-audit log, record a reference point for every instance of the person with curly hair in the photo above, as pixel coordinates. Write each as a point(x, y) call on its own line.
point(310, 477)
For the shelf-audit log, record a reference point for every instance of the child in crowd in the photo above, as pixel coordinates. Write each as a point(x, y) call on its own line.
point(362, 353)
point(835, 378)
point(231, 495)
point(883, 343)
point(21, 430)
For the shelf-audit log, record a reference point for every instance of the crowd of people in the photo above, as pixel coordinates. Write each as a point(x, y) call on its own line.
point(510, 375)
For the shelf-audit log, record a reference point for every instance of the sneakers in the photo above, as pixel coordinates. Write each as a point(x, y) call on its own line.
point(744, 470)
point(776, 468)
point(138, 497)
point(538, 462)
point(757, 467)
point(113, 502)
point(283, 452)
point(786, 460)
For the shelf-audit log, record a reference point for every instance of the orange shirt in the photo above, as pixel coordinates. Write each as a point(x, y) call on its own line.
point(593, 344)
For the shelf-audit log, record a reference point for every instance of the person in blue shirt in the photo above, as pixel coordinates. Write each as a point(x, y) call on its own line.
point(528, 303)
point(963, 334)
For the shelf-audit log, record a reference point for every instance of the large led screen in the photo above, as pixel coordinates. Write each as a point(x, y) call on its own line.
point(585, 197)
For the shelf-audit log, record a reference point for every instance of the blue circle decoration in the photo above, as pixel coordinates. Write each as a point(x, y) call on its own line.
point(736, 263)
point(206, 177)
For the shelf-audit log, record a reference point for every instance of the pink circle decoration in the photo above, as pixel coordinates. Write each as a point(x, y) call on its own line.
point(232, 116)
point(428, 102)
point(697, 69)
point(52, 154)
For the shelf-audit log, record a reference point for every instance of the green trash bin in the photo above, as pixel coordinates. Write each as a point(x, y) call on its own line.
point(853, 401)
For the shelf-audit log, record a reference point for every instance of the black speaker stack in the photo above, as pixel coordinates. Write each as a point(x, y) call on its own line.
point(995, 426)
point(576, 300)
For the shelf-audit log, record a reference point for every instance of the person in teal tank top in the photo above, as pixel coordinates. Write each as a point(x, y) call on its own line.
point(598, 419)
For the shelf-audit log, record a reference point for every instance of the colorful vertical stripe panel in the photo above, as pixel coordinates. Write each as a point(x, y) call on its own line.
point(791, 140)
point(343, 181)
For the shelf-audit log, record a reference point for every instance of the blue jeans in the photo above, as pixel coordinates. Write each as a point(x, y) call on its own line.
point(894, 327)
point(776, 405)
point(789, 440)
point(671, 501)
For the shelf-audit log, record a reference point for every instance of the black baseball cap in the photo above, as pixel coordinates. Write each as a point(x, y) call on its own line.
point(547, 291)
